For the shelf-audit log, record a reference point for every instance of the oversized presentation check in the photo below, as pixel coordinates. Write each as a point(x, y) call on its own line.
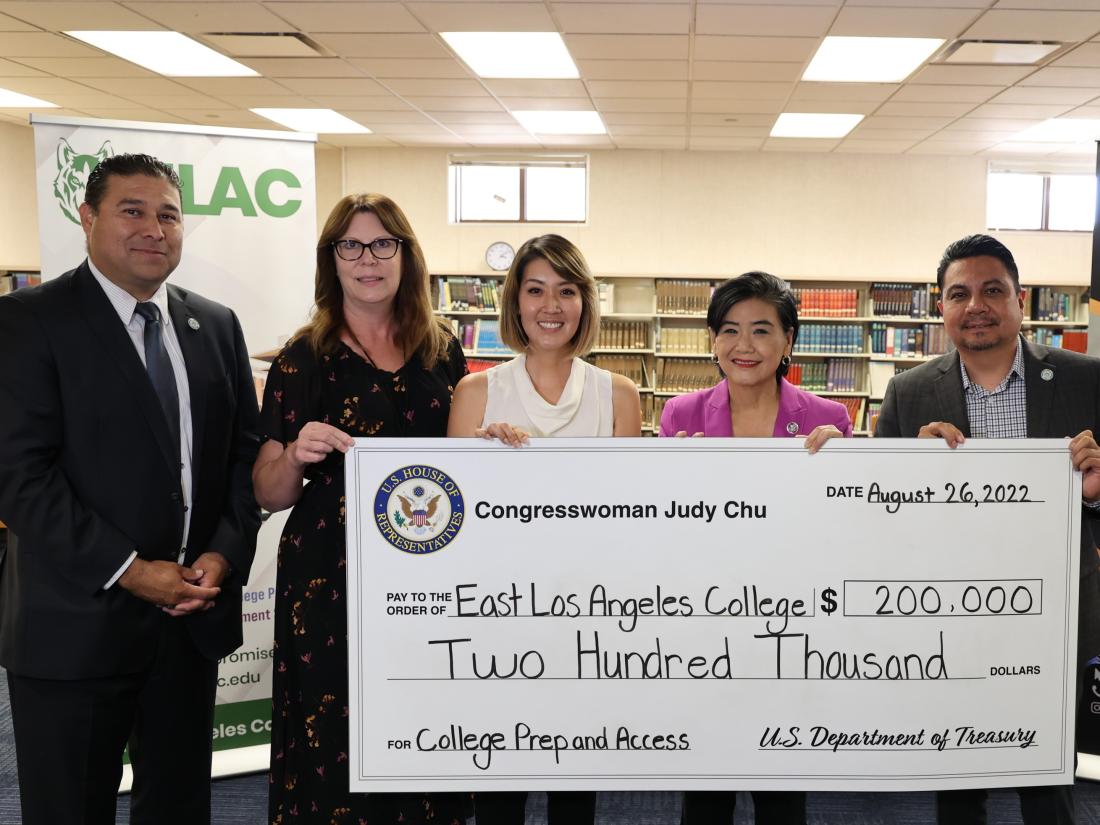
point(644, 614)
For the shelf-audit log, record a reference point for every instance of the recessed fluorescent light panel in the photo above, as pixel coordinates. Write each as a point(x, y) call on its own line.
point(325, 121)
point(814, 125)
point(869, 59)
point(1061, 130)
point(550, 122)
point(166, 53)
point(1001, 54)
point(15, 100)
point(513, 54)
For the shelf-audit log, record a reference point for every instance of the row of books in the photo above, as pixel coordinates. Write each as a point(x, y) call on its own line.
point(481, 335)
point(683, 297)
point(623, 335)
point(684, 340)
point(685, 374)
point(829, 375)
point(1076, 340)
point(827, 302)
point(913, 300)
point(469, 294)
point(632, 366)
point(833, 338)
point(917, 340)
point(1048, 304)
point(11, 281)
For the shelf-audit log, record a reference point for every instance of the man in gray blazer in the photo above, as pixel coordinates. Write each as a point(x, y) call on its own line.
point(997, 385)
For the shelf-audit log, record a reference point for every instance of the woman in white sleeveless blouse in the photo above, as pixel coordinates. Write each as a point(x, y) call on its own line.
point(550, 315)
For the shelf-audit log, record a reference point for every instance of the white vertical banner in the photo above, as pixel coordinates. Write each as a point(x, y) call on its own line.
point(249, 211)
point(250, 227)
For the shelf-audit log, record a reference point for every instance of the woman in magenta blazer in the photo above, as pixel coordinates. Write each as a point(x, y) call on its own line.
point(753, 323)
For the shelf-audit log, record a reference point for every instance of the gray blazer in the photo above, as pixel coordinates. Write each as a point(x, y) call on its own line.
point(1062, 406)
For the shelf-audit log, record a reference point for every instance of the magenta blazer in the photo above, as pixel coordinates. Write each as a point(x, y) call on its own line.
point(708, 412)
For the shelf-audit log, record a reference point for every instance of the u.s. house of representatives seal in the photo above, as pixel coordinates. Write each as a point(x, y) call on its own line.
point(419, 509)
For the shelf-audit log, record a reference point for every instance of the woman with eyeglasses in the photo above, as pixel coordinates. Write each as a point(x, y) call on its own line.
point(550, 315)
point(753, 324)
point(372, 361)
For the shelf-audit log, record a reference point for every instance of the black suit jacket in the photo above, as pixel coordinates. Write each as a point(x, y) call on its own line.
point(88, 475)
point(1064, 405)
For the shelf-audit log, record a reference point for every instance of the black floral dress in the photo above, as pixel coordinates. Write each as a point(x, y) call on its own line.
point(309, 733)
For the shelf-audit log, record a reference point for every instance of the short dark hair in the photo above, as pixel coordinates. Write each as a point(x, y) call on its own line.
point(764, 286)
point(125, 166)
point(972, 246)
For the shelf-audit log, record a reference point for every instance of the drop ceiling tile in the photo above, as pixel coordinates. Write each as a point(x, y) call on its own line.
point(489, 141)
point(622, 18)
point(349, 17)
point(637, 88)
point(642, 119)
point(45, 86)
point(963, 136)
point(760, 132)
point(660, 131)
point(633, 69)
point(87, 66)
point(579, 141)
point(538, 88)
point(127, 86)
point(352, 141)
point(633, 104)
point(150, 115)
point(946, 148)
point(731, 119)
point(1005, 24)
point(233, 118)
point(1046, 4)
point(781, 21)
point(1084, 111)
point(726, 144)
point(287, 101)
point(1055, 76)
point(42, 44)
point(379, 102)
point(1020, 110)
point(1086, 55)
point(925, 109)
point(101, 101)
point(384, 67)
point(402, 129)
point(10, 24)
point(219, 86)
point(173, 102)
point(488, 17)
point(69, 16)
point(459, 118)
point(503, 130)
point(704, 89)
point(986, 124)
point(552, 104)
point(889, 135)
point(960, 4)
point(908, 123)
point(627, 46)
point(384, 45)
point(972, 75)
point(301, 67)
point(1029, 148)
point(24, 68)
point(886, 147)
point(901, 22)
point(328, 86)
point(840, 107)
point(800, 145)
point(920, 93)
point(370, 118)
point(734, 106)
point(455, 104)
point(651, 142)
point(845, 91)
point(211, 17)
point(733, 70)
point(761, 49)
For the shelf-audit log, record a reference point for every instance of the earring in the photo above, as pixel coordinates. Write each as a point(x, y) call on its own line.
point(713, 358)
point(785, 361)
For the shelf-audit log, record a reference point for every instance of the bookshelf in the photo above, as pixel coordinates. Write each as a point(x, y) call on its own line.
point(855, 335)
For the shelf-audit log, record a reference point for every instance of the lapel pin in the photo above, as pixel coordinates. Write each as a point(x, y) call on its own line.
point(1047, 374)
point(193, 323)
point(792, 428)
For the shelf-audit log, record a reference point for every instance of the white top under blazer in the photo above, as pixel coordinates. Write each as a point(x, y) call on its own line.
point(584, 410)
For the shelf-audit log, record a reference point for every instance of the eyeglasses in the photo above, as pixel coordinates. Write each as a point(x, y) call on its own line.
point(381, 248)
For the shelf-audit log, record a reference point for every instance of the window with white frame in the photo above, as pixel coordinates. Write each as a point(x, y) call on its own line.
point(1034, 200)
point(518, 189)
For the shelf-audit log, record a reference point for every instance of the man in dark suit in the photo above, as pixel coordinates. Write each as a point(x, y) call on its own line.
point(127, 436)
point(997, 385)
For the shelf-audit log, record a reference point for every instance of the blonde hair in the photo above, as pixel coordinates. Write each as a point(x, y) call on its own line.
point(568, 262)
point(418, 330)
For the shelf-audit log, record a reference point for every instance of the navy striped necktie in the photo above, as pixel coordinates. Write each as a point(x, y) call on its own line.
point(159, 367)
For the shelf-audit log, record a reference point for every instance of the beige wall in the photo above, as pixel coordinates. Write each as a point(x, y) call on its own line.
point(674, 213)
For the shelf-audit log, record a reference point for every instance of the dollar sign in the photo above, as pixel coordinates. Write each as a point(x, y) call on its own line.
point(828, 601)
